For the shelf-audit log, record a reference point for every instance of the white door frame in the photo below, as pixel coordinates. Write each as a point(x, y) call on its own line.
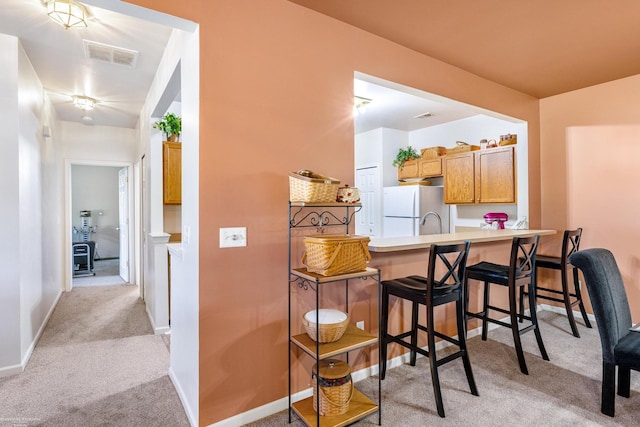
point(68, 217)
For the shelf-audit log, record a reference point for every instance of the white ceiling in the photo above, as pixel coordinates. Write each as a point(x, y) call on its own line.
point(395, 106)
point(58, 58)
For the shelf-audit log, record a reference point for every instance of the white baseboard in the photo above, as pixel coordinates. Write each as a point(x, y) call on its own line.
point(283, 404)
point(157, 330)
point(193, 419)
point(16, 369)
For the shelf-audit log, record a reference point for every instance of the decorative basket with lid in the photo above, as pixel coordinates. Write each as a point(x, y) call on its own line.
point(309, 187)
point(333, 384)
point(332, 254)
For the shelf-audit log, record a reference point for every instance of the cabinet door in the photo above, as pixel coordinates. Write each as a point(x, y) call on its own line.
point(430, 168)
point(495, 176)
point(172, 173)
point(408, 170)
point(459, 177)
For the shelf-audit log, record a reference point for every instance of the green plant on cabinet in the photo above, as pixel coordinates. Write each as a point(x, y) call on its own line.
point(170, 125)
point(404, 155)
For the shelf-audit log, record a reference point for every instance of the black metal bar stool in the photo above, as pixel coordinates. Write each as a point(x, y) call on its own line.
point(519, 273)
point(570, 245)
point(431, 291)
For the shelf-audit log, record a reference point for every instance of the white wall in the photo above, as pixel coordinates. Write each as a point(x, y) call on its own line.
point(29, 174)
point(378, 147)
point(10, 351)
point(95, 188)
point(182, 50)
point(99, 143)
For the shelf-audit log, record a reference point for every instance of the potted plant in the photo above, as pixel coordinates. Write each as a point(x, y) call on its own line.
point(170, 125)
point(405, 154)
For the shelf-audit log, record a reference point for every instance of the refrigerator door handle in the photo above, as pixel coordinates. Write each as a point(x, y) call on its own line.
point(416, 225)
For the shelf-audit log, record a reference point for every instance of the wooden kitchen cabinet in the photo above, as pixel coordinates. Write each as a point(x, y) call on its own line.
point(172, 173)
point(495, 175)
point(485, 176)
point(429, 168)
point(408, 170)
point(459, 178)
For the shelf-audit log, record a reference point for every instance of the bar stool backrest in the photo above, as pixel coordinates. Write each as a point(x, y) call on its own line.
point(523, 257)
point(447, 264)
point(570, 244)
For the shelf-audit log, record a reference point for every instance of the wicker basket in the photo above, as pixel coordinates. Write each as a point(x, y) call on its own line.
point(462, 147)
point(336, 387)
point(333, 324)
point(432, 153)
point(314, 188)
point(333, 254)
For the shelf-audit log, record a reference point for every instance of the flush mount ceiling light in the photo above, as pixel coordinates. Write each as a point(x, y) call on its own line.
point(360, 105)
point(85, 103)
point(359, 101)
point(67, 13)
point(423, 115)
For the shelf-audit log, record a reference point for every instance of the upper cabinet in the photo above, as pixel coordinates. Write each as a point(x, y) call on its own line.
point(485, 176)
point(172, 173)
point(428, 168)
point(459, 178)
point(408, 170)
point(421, 168)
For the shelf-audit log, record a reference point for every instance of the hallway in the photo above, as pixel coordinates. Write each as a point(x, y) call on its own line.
point(96, 364)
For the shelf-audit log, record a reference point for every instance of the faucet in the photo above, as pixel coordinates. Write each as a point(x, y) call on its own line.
point(423, 220)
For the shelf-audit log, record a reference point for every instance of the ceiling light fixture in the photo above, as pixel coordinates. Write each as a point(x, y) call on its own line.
point(360, 105)
point(85, 103)
point(423, 115)
point(359, 101)
point(67, 13)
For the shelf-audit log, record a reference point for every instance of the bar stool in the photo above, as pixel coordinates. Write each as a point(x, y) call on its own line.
point(431, 291)
point(519, 273)
point(570, 245)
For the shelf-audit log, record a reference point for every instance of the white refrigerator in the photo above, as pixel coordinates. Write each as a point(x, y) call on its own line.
point(405, 206)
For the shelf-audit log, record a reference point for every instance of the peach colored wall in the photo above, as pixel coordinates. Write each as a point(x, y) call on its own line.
point(277, 95)
point(589, 150)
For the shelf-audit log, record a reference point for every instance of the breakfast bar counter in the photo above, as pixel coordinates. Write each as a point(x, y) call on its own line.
point(395, 244)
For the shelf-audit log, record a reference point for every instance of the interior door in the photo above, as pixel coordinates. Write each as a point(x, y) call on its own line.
point(368, 218)
point(123, 222)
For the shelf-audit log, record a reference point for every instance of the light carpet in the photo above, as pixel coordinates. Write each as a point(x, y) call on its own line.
point(96, 364)
point(564, 391)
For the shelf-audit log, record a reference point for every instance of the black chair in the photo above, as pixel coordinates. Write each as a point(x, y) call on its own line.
point(620, 346)
point(448, 262)
point(519, 273)
point(570, 245)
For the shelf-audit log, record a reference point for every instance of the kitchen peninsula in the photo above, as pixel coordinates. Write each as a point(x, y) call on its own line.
point(395, 244)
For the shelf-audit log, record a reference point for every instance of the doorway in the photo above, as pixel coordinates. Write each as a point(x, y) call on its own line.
point(99, 205)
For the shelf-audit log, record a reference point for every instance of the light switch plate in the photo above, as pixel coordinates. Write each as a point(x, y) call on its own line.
point(233, 237)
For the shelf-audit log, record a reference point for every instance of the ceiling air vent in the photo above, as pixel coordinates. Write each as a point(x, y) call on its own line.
point(111, 54)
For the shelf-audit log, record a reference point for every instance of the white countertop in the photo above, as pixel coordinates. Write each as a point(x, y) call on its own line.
point(393, 244)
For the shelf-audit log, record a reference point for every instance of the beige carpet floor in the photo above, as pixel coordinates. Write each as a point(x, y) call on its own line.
point(96, 364)
point(564, 391)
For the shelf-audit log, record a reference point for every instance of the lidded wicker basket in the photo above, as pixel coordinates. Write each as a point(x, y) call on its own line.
point(332, 254)
point(333, 379)
point(310, 187)
point(330, 327)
